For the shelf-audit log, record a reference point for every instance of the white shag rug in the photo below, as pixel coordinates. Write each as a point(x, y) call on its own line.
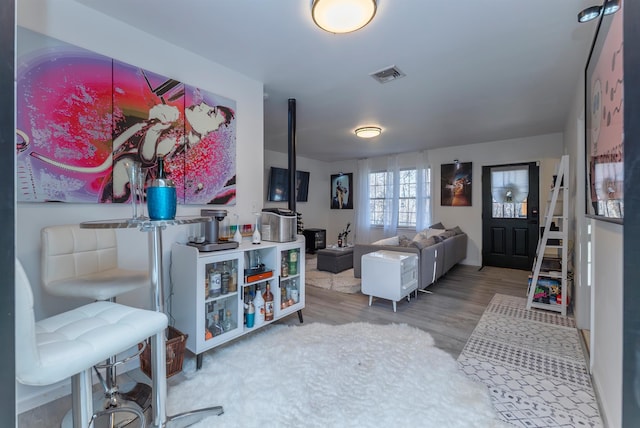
point(317, 375)
point(343, 282)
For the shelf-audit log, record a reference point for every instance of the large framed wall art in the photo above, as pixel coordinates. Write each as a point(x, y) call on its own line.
point(456, 184)
point(604, 125)
point(342, 191)
point(81, 117)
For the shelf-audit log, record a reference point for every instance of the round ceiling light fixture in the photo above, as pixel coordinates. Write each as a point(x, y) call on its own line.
point(343, 16)
point(368, 131)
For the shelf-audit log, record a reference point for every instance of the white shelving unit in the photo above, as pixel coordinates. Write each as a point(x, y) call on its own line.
point(550, 265)
point(193, 310)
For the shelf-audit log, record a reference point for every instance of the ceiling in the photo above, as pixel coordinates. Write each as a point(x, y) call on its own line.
point(476, 71)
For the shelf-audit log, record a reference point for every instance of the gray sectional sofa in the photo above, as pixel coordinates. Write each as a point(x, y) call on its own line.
point(436, 255)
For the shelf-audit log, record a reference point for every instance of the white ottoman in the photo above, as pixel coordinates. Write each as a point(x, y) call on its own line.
point(389, 275)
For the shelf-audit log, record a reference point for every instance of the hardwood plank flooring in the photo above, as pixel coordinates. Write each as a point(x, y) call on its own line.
point(449, 314)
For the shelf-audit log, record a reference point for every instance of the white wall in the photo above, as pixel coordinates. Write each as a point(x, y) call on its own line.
point(574, 138)
point(599, 306)
point(607, 334)
point(81, 26)
point(546, 149)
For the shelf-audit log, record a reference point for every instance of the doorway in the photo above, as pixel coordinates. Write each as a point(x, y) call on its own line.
point(510, 210)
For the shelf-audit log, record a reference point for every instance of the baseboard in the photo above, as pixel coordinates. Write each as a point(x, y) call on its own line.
point(30, 397)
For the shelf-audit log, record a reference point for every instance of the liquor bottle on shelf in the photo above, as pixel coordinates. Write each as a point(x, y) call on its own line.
point(283, 297)
point(217, 328)
point(268, 303)
point(284, 266)
point(233, 279)
point(293, 262)
point(215, 282)
point(228, 323)
point(295, 292)
point(224, 279)
point(208, 321)
point(258, 303)
point(250, 317)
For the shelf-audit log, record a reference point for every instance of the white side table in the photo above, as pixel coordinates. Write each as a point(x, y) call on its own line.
point(389, 275)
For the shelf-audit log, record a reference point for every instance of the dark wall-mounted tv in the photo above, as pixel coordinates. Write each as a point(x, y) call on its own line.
point(279, 185)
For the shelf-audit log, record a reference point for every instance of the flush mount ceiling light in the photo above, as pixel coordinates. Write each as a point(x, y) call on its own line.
point(368, 131)
point(591, 13)
point(343, 16)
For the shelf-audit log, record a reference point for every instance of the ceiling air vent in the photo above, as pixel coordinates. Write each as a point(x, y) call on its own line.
point(387, 74)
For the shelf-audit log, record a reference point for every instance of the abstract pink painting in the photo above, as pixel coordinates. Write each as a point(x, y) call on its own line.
point(81, 115)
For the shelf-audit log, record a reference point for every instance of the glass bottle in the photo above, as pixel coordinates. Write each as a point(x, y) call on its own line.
point(284, 266)
point(215, 283)
point(224, 278)
point(160, 171)
point(228, 323)
point(250, 316)
point(208, 322)
point(258, 303)
point(217, 328)
point(268, 303)
point(293, 262)
point(295, 293)
point(233, 279)
point(283, 298)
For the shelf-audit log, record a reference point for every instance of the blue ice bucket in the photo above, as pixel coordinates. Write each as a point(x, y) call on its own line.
point(162, 202)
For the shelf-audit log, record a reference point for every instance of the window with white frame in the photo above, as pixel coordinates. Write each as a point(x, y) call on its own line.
point(381, 197)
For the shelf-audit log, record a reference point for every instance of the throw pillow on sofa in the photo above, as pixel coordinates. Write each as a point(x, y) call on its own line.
point(423, 242)
point(448, 234)
point(438, 225)
point(403, 241)
point(394, 240)
point(428, 233)
point(457, 230)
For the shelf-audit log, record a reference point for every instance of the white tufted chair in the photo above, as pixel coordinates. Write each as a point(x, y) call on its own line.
point(69, 344)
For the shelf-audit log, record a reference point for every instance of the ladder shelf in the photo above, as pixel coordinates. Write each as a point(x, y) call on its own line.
point(548, 284)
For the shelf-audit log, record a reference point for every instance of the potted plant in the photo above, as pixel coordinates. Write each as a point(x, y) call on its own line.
point(342, 236)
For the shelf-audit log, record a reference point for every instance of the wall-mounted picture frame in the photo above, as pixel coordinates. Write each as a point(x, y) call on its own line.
point(604, 122)
point(456, 184)
point(342, 191)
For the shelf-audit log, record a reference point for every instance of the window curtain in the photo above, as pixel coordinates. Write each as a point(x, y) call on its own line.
point(424, 204)
point(392, 191)
point(362, 220)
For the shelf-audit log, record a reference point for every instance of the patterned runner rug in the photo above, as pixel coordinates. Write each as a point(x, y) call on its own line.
point(533, 364)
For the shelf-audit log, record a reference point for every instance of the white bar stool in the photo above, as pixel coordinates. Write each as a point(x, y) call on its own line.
point(83, 263)
point(69, 344)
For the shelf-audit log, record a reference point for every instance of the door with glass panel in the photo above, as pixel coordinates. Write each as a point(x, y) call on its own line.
point(510, 215)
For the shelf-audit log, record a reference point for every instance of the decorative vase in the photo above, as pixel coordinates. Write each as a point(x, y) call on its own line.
point(257, 238)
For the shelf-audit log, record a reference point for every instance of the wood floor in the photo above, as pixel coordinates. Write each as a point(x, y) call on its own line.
point(449, 314)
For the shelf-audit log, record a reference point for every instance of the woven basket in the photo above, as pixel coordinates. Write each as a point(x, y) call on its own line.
point(176, 342)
